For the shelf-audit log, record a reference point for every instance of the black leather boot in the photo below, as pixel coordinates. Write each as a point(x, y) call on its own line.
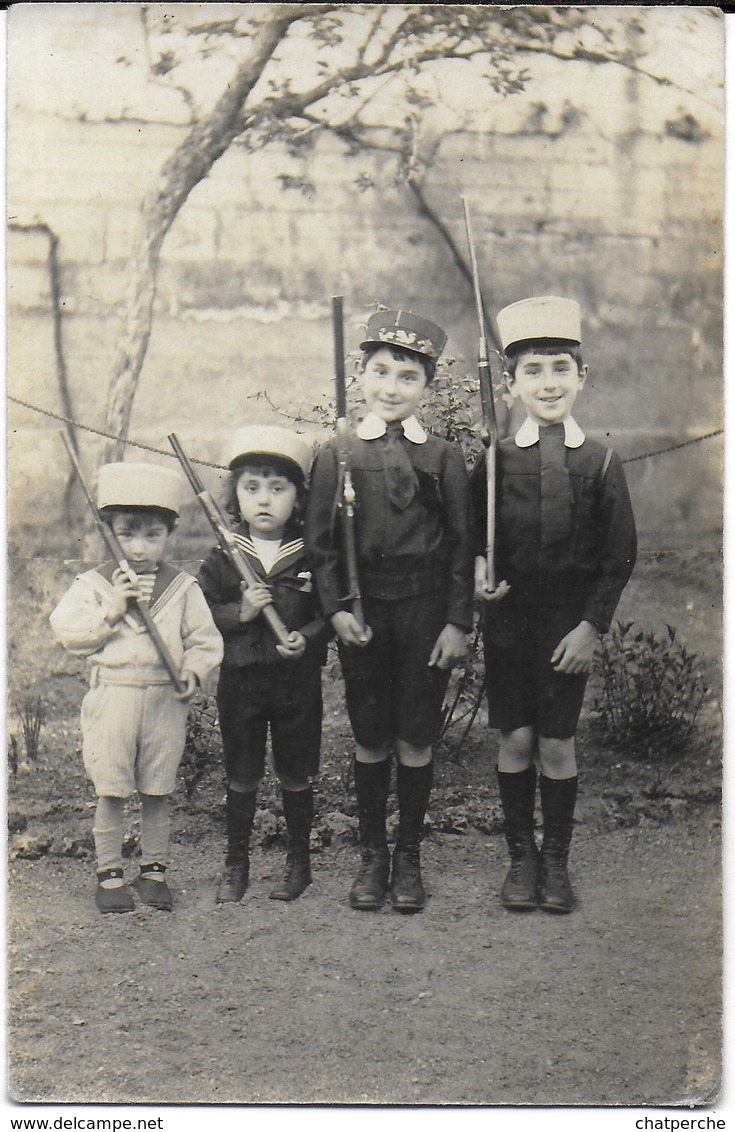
point(558, 799)
point(298, 810)
point(518, 798)
point(414, 789)
point(372, 783)
point(239, 817)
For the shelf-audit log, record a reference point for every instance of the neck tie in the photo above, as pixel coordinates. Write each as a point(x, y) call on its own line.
point(400, 477)
point(556, 492)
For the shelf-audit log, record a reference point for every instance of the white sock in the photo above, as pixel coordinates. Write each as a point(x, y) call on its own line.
point(109, 827)
point(155, 828)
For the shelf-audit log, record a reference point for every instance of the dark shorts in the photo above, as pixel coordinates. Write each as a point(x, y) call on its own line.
point(522, 688)
point(288, 698)
point(390, 690)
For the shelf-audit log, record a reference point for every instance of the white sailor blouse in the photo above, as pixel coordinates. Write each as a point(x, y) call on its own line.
point(179, 611)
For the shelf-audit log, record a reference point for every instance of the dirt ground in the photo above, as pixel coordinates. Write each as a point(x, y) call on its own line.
point(313, 1003)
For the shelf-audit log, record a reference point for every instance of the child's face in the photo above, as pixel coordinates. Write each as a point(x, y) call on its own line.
point(548, 385)
point(266, 500)
point(392, 387)
point(142, 541)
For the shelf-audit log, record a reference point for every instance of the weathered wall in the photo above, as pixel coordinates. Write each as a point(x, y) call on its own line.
point(593, 184)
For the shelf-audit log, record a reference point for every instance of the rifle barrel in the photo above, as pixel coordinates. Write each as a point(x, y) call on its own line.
point(339, 355)
point(489, 433)
point(475, 279)
point(345, 488)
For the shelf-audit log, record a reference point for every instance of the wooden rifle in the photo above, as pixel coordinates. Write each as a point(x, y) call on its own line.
point(489, 429)
point(226, 539)
point(115, 550)
point(345, 486)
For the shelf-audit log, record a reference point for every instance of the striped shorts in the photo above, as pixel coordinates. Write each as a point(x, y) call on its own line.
point(132, 739)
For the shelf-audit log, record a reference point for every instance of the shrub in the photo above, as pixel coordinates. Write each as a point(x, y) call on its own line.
point(32, 718)
point(647, 692)
point(203, 743)
point(464, 698)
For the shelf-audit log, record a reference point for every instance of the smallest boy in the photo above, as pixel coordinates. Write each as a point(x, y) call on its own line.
point(565, 549)
point(133, 722)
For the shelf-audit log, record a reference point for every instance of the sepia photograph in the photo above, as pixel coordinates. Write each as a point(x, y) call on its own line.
point(364, 380)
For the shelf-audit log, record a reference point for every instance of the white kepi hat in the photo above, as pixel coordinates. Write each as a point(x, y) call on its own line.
point(547, 316)
point(269, 440)
point(140, 485)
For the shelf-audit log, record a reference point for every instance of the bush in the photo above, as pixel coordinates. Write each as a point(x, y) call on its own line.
point(203, 745)
point(32, 714)
point(647, 693)
point(464, 697)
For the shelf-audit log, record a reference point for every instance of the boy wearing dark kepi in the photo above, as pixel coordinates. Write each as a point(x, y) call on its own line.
point(133, 722)
point(414, 561)
point(263, 684)
point(565, 547)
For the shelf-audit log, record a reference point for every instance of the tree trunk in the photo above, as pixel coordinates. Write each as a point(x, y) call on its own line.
point(187, 166)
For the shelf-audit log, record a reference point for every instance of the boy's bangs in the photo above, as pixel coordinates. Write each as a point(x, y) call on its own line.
point(140, 515)
point(266, 464)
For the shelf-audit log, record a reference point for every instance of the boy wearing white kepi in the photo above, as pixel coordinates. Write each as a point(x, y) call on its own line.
point(565, 547)
point(133, 721)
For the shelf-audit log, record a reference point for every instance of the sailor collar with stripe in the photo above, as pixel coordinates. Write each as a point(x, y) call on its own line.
point(170, 583)
point(528, 434)
point(292, 548)
point(374, 426)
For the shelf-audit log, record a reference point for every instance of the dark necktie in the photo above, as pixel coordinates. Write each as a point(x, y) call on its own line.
point(556, 492)
point(400, 477)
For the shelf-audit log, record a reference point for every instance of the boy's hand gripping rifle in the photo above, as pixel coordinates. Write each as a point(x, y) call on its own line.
point(226, 539)
point(345, 487)
point(121, 562)
point(489, 430)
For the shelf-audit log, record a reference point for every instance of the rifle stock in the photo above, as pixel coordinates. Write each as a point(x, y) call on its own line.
point(115, 550)
point(345, 488)
point(226, 538)
point(489, 430)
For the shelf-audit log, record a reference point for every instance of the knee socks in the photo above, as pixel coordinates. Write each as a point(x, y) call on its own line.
point(109, 827)
point(414, 790)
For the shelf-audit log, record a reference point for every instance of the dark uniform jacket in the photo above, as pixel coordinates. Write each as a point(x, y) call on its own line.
point(593, 564)
point(424, 549)
point(294, 598)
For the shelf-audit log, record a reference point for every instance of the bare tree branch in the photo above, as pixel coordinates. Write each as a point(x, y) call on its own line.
point(206, 141)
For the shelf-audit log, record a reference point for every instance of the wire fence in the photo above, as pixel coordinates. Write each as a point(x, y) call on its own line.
point(222, 467)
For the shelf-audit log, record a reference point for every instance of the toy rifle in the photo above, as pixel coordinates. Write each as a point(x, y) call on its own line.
point(345, 487)
point(115, 550)
point(226, 539)
point(489, 429)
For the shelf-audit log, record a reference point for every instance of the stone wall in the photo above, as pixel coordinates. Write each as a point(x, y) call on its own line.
point(607, 191)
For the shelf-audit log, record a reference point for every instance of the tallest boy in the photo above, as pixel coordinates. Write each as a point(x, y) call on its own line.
point(565, 548)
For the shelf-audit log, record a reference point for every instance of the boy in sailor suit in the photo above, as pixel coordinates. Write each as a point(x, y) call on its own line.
point(133, 722)
point(263, 683)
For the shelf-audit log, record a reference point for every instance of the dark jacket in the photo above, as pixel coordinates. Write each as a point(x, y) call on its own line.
point(427, 548)
point(593, 564)
point(294, 598)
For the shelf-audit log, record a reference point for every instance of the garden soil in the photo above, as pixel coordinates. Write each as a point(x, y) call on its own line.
point(266, 1003)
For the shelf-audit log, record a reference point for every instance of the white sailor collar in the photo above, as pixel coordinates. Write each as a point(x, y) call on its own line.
point(528, 434)
point(373, 426)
